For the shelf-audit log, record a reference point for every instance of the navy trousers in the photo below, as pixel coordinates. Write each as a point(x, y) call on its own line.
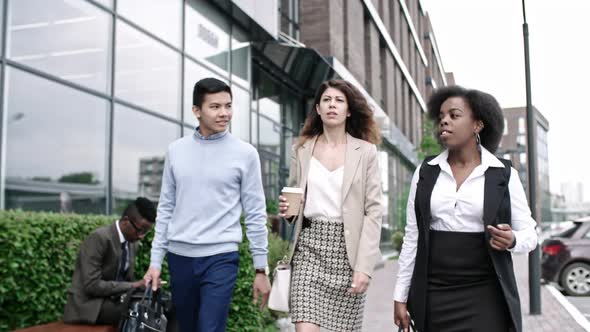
point(201, 290)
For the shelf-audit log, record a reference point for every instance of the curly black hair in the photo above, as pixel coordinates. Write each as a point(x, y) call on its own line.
point(141, 208)
point(484, 106)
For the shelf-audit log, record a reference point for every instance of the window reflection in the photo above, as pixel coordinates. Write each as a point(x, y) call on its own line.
point(55, 38)
point(106, 3)
point(139, 148)
point(207, 34)
point(55, 151)
point(147, 73)
point(160, 17)
point(254, 124)
point(269, 110)
point(2, 4)
point(240, 57)
point(270, 125)
point(240, 124)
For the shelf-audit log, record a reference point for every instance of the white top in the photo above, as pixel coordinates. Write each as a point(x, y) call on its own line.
point(122, 240)
point(324, 192)
point(462, 211)
point(121, 236)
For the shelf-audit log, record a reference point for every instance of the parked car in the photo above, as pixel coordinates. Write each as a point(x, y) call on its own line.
point(566, 258)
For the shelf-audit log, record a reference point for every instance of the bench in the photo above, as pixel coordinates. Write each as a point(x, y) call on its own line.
point(63, 327)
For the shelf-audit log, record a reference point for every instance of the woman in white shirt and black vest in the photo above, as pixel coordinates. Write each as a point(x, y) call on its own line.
point(467, 213)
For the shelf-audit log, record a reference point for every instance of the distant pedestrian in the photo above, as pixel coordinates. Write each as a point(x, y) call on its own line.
point(467, 212)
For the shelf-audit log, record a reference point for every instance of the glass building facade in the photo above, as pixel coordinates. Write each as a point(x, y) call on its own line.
point(93, 91)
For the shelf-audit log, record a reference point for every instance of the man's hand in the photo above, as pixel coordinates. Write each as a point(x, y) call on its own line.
point(261, 287)
point(502, 237)
point(152, 275)
point(400, 315)
point(360, 283)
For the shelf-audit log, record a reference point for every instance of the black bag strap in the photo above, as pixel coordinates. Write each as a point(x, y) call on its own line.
point(153, 299)
point(411, 327)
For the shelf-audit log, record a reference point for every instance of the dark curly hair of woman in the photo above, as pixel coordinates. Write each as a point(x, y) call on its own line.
point(484, 106)
point(360, 124)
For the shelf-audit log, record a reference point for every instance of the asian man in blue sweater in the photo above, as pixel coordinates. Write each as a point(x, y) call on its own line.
point(210, 178)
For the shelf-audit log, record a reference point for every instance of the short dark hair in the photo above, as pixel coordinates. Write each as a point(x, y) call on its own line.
point(484, 106)
point(206, 86)
point(141, 208)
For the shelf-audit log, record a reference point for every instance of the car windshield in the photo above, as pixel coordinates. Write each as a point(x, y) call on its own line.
point(569, 231)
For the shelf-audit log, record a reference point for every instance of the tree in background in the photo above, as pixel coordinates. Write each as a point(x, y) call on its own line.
point(429, 145)
point(81, 178)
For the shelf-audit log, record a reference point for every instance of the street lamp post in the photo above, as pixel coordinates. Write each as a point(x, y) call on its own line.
point(534, 256)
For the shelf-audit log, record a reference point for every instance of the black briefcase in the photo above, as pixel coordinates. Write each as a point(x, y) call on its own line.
point(145, 313)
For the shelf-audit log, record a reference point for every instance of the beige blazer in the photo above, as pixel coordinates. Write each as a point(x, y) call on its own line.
point(361, 199)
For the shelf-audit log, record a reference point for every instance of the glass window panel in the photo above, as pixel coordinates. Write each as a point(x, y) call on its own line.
point(2, 4)
point(194, 72)
point(522, 158)
point(521, 125)
point(54, 37)
point(270, 109)
point(254, 125)
point(160, 17)
point(55, 150)
point(147, 73)
point(106, 3)
point(268, 99)
point(207, 34)
point(270, 132)
point(240, 124)
point(384, 171)
point(138, 154)
point(240, 57)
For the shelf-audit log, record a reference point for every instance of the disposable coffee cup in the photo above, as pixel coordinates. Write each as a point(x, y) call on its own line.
point(293, 196)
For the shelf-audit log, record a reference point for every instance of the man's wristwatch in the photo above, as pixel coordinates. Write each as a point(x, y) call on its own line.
point(264, 271)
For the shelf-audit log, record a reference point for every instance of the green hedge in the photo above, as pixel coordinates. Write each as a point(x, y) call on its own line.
point(37, 256)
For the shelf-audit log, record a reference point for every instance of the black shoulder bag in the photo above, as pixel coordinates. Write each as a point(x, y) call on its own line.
point(145, 314)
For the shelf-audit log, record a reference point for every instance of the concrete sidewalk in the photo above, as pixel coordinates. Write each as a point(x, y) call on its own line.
point(554, 317)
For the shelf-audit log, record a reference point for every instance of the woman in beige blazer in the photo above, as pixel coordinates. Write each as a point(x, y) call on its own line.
point(338, 227)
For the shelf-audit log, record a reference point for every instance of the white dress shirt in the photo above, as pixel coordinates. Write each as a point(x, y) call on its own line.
point(324, 192)
point(462, 211)
point(122, 240)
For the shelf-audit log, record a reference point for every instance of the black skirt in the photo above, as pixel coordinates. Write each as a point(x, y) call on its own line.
point(463, 290)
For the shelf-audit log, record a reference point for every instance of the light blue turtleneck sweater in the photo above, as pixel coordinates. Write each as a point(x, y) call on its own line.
point(206, 185)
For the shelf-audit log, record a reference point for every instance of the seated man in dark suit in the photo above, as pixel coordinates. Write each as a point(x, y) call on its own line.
point(104, 267)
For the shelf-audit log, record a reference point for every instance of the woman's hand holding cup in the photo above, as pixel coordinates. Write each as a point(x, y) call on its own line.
point(290, 201)
point(283, 206)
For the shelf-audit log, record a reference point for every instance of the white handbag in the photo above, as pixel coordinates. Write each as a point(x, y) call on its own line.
point(278, 299)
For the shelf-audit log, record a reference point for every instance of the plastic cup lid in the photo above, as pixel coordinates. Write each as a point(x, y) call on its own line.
point(292, 190)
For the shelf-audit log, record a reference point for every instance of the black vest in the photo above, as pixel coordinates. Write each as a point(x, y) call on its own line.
point(496, 210)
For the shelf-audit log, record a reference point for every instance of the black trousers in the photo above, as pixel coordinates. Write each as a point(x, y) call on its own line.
point(111, 312)
point(463, 290)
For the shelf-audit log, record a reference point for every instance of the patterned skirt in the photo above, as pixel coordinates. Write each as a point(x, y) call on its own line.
point(321, 278)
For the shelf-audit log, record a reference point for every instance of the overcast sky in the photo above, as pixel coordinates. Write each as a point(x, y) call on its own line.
point(481, 42)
